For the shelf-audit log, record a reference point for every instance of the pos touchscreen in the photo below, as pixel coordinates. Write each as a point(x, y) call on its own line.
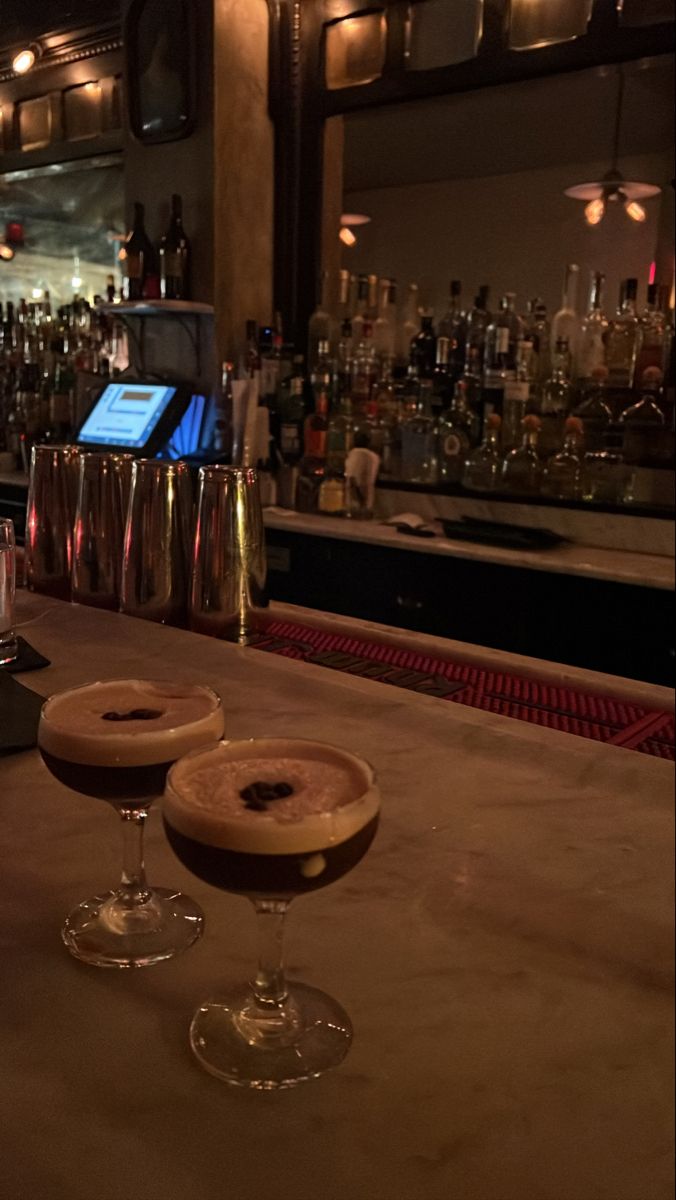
point(134, 416)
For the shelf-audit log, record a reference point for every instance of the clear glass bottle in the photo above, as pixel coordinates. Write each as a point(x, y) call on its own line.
point(622, 339)
point(643, 427)
point(321, 326)
point(340, 436)
point(360, 313)
point(563, 473)
point(384, 326)
point(455, 436)
point(477, 322)
point(539, 333)
point(419, 435)
point(607, 479)
point(481, 469)
point(556, 400)
point(364, 371)
point(517, 395)
point(442, 380)
point(652, 335)
point(593, 332)
point(502, 337)
point(410, 324)
point(453, 326)
point(594, 410)
point(522, 468)
point(565, 322)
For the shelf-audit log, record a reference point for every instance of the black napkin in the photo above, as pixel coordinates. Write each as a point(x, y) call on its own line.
point(19, 715)
point(27, 659)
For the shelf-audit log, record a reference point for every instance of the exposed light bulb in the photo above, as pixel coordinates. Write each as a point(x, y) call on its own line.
point(347, 236)
point(23, 61)
point(594, 212)
point(6, 252)
point(76, 282)
point(635, 210)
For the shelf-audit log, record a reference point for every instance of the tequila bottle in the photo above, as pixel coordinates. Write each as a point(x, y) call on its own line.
point(563, 473)
point(643, 427)
point(594, 411)
point(481, 470)
point(517, 395)
point(502, 337)
point(556, 400)
point(652, 335)
point(522, 468)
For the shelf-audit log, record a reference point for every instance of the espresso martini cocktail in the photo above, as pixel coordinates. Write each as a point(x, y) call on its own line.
point(116, 741)
point(270, 818)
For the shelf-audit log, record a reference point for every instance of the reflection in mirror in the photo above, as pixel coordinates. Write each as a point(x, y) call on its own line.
point(477, 286)
point(73, 222)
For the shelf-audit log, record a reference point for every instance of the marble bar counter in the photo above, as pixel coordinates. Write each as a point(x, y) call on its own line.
point(505, 951)
point(569, 558)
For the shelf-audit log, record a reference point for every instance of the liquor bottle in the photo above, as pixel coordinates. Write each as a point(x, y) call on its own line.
point(442, 382)
point(563, 473)
point(344, 360)
point(344, 310)
point(339, 436)
point(643, 427)
point(502, 337)
point(455, 428)
point(139, 261)
point(517, 395)
point(607, 479)
point(652, 335)
point(364, 372)
point(522, 468)
point(385, 433)
point(454, 327)
point(384, 326)
point(315, 427)
point(321, 326)
point(419, 435)
point(556, 399)
point(292, 414)
point(593, 332)
point(250, 362)
point(622, 339)
point(175, 256)
point(481, 469)
point(566, 323)
point(410, 324)
point(423, 348)
point(360, 313)
point(322, 372)
point(539, 333)
point(594, 410)
point(478, 320)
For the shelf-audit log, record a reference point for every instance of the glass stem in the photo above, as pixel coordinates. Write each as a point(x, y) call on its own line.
point(134, 889)
point(269, 986)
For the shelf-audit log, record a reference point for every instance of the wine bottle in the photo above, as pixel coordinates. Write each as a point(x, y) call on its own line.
point(175, 257)
point(139, 258)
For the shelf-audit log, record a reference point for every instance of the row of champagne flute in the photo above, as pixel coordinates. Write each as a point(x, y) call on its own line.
point(123, 533)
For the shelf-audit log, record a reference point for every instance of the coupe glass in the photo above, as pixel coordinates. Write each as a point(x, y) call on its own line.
point(116, 741)
point(270, 819)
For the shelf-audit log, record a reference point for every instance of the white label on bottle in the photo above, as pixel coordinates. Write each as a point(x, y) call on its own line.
point(517, 389)
point(501, 339)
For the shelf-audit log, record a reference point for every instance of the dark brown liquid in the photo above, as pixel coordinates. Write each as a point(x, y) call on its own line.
point(277, 875)
point(117, 784)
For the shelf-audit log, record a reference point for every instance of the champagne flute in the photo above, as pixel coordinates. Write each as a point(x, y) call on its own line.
point(116, 741)
point(270, 819)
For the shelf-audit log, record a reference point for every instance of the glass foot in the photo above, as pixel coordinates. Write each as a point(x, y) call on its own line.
point(107, 932)
point(238, 1040)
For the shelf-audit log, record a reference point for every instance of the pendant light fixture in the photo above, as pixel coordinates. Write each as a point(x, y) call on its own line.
point(613, 188)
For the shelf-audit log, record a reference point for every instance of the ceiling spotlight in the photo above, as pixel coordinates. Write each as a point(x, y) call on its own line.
point(347, 236)
point(25, 59)
point(6, 252)
point(594, 212)
point(635, 210)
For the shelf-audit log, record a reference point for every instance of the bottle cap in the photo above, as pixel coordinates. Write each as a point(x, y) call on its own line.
point(493, 421)
point(531, 423)
point(574, 425)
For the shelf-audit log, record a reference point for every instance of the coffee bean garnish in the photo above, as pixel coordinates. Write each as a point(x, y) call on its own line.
point(258, 795)
point(136, 714)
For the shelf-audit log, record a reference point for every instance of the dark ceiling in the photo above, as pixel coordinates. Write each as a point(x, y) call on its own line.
point(21, 21)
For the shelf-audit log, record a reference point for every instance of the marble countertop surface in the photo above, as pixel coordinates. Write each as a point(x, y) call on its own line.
point(621, 566)
point(504, 951)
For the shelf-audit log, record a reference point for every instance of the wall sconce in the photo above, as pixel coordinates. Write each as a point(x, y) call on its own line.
point(536, 23)
point(347, 220)
point(347, 237)
point(355, 49)
point(24, 59)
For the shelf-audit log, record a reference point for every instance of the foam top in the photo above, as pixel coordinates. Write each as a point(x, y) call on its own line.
point(309, 796)
point(129, 722)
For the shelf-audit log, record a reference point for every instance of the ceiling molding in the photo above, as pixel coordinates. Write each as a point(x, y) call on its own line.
point(58, 49)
